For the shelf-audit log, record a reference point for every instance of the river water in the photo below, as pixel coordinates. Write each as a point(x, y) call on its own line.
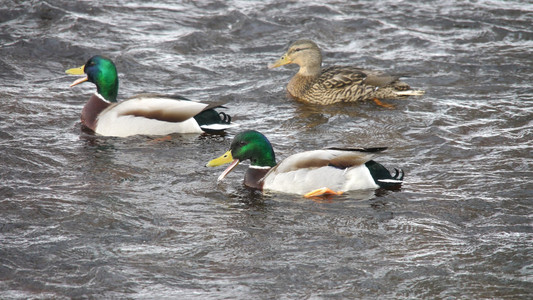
point(84, 216)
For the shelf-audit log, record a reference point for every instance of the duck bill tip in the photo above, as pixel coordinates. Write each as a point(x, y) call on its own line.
point(78, 81)
point(228, 170)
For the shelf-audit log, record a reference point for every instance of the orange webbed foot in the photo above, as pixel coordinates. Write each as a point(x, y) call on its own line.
point(161, 139)
point(379, 103)
point(322, 192)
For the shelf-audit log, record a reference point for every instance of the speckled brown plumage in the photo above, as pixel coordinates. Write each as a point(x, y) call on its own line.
point(334, 84)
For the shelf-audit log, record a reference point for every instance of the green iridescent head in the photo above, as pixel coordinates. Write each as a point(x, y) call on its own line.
point(102, 72)
point(250, 145)
point(254, 146)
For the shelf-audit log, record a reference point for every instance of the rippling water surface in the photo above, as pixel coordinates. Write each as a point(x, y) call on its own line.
point(85, 216)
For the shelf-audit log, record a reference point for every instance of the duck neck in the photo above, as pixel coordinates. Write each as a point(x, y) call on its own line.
point(108, 89)
point(253, 177)
point(92, 110)
point(310, 70)
point(299, 85)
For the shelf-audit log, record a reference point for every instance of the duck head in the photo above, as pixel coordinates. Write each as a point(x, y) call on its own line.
point(304, 53)
point(102, 72)
point(248, 145)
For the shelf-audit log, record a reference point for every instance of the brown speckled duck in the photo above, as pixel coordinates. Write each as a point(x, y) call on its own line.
point(315, 85)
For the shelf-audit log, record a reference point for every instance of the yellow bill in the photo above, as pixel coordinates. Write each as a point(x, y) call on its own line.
point(77, 71)
point(226, 158)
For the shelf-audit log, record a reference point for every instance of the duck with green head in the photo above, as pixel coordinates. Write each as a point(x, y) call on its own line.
point(147, 114)
point(309, 173)
point(317, 85)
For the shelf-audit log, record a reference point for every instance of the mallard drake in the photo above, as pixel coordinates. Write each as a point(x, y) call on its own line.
point(309, 173)
point(147, 114)
point(334, 84)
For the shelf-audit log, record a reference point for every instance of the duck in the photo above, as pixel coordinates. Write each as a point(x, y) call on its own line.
point(144, 114)
point(323, 86)
point(315, 173)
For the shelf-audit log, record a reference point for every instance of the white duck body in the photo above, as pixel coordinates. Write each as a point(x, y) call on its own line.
point(307, 171)
point(148, 115)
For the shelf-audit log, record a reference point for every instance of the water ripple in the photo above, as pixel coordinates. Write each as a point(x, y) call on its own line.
point(94, 217)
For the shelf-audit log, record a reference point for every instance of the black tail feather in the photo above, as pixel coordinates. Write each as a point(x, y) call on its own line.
point(398, 172)
point(367, 150)
point(224, 118)
point(383, 177)
point(211, 116)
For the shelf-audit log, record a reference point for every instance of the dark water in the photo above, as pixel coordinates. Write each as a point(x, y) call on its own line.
point(84, 216)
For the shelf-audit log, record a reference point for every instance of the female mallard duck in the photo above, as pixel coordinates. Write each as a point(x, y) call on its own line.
point(310, 173)
point(143, 114)
point(334, 84)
